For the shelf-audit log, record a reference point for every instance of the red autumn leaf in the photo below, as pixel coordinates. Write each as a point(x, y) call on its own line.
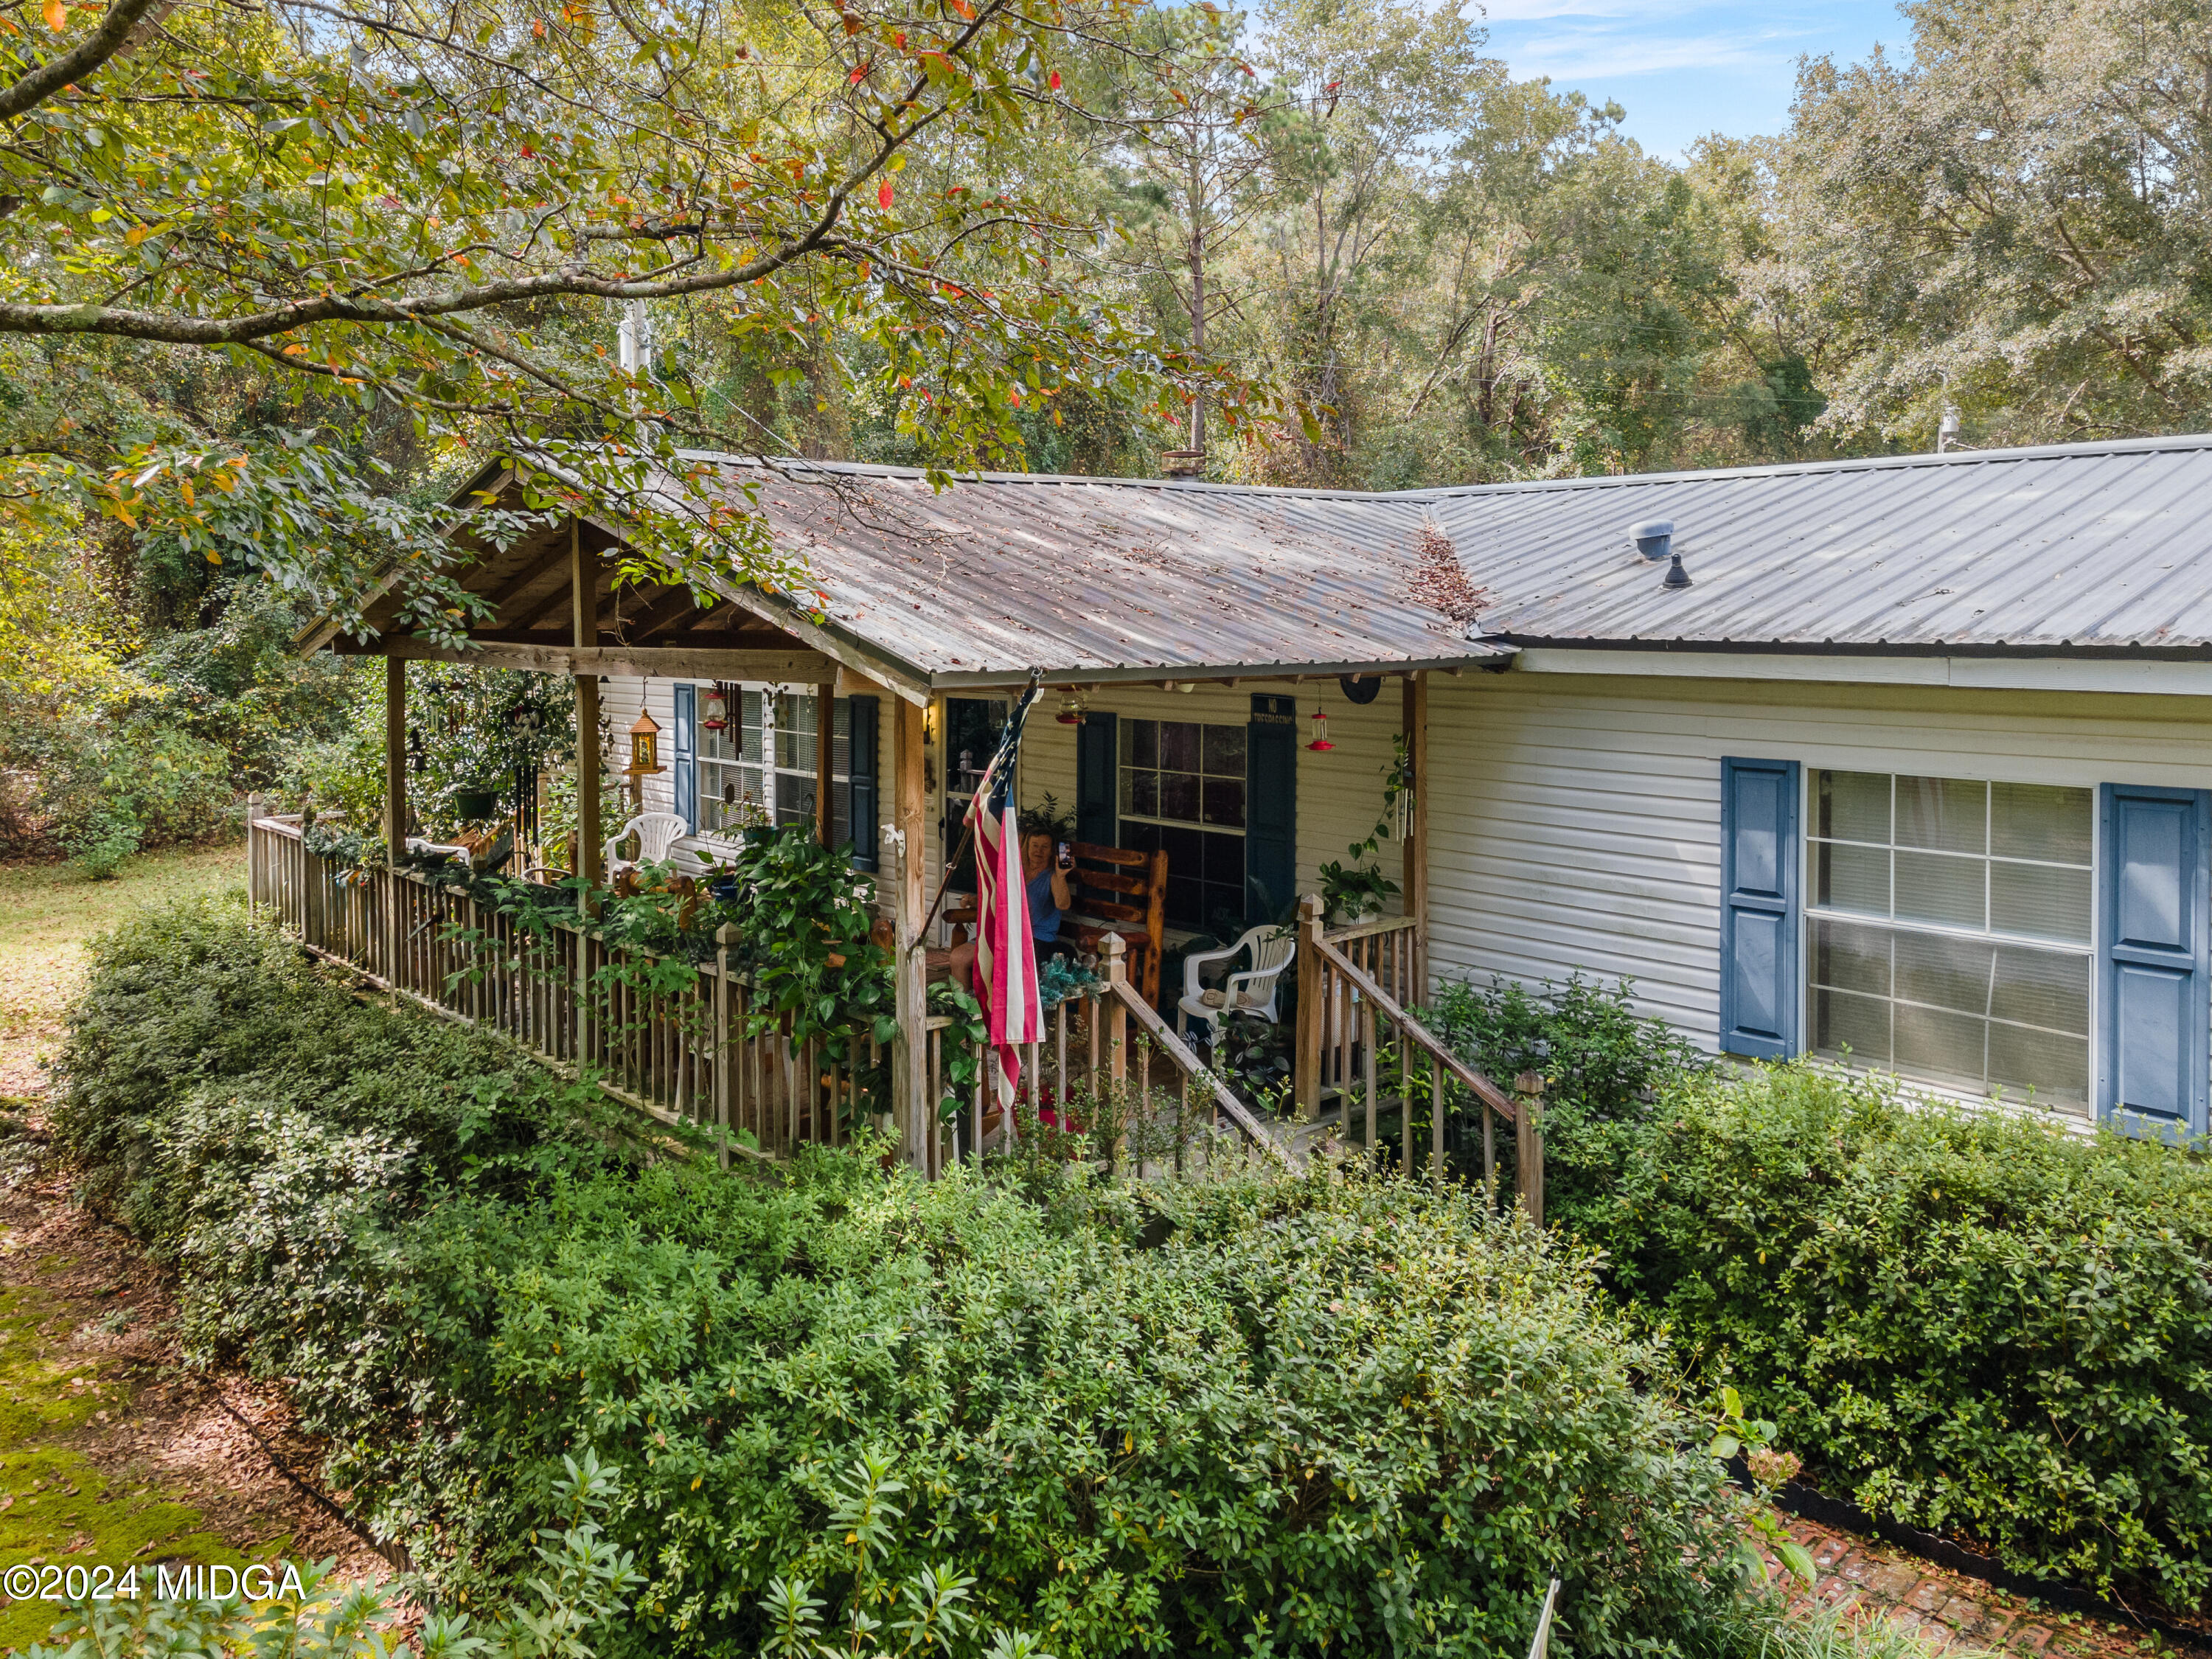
point(859, 74)
point(884, 195)
point(1055, 81)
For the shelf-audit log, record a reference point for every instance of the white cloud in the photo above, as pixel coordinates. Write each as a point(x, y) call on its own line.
point(1595, 54)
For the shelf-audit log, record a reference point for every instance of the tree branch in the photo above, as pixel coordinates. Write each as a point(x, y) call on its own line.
point(34, 87)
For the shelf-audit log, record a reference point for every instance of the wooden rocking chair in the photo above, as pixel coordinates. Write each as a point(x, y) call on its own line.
point(1120, 891)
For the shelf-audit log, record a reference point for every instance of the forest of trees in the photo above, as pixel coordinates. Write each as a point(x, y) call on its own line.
point(1460, 276)
point(275, 274)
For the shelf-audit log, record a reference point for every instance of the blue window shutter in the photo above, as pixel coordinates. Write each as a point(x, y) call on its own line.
point(1270, 809)
point(1759, 907)
point(2154, 1022)
point(860, 813)
point(1096, 810)
point(685, 756)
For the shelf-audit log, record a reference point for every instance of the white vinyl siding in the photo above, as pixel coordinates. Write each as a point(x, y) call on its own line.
point(1574, 822)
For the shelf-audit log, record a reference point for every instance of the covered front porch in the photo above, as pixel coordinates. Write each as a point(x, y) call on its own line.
point(1227, 774)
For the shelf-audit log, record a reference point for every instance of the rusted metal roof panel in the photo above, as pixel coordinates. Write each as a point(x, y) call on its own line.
point(1006, 571)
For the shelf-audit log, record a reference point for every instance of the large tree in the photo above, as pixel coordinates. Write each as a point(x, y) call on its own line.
point(443, 210)
point(2018, 222)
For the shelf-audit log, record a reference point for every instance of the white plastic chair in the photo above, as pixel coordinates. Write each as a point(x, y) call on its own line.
point(1252, 992)
point(657, 833)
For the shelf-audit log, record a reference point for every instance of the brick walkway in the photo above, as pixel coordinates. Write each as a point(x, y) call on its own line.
point(1952, 1611)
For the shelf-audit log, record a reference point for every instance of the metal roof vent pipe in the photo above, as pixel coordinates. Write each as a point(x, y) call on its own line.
point(1653, 538)
point(1675, 577)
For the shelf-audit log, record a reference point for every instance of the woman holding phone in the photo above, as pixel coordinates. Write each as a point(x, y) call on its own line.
point(1045, 866)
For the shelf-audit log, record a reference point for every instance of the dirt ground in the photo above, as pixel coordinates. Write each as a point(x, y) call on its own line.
point(111, 1453)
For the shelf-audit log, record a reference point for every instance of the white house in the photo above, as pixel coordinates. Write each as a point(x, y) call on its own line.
point(1908, 760)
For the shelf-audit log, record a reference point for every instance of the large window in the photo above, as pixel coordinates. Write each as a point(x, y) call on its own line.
point(1949, 928)
point(733, 777)
point(759, 768)
point(1182, 789)
point(795, 741)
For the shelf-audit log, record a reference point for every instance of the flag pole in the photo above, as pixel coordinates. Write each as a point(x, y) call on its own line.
point(1012, 737)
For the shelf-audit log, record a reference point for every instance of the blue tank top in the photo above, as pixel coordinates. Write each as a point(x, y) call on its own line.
point(1044, 915)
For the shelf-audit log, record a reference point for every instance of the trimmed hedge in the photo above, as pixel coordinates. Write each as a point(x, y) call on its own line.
point(1321, 1416)
point(1975, 1321)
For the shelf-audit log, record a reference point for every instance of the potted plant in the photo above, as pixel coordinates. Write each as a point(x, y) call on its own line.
point(472, 804)
point(1355, 894)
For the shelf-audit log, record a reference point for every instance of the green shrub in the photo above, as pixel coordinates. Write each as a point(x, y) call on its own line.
point(1603, 1065)
point(1323, 1414)
point(108, 785)
point(1972, 1320)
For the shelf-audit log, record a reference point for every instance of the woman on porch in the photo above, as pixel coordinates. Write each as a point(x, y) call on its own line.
point(1045, 865)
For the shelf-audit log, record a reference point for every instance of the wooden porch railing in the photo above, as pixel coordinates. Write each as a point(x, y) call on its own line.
point(679, 1040)
point(1354, 989)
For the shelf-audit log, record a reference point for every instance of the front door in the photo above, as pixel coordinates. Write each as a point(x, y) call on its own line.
point(973, 727)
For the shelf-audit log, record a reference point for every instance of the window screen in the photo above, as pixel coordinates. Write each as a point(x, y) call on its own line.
point(1950, 931)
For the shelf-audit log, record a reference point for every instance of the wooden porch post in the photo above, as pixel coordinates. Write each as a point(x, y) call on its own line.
point(584, 609)
point(915, 1111)
point(825, 744)
point(1415, 848)
point(395, 806)
point(395, 757)
point(1305, 1072)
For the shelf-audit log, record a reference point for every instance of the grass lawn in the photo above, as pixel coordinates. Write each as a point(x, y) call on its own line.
point(109, 1452)
point(47, 912)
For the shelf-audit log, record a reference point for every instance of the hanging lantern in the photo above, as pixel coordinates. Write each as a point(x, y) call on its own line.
point(718, 711)
point(414, 748)
point(1071, 710)
point(644, 748)
point(1321, 732)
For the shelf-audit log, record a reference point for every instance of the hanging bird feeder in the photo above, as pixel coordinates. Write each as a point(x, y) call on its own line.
point(718, 711)
point(1071, 710)
point(644, 748)
point(1321, 743)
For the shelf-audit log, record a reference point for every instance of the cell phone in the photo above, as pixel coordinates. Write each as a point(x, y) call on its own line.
point(1066, 856)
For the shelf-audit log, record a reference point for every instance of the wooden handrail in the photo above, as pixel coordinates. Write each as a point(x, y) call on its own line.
point(1484, 1090)
point(1369, 929)
point(1178, 1051)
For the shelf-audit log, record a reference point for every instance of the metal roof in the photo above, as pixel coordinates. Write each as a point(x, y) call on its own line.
point(1115, 578)
point(2068, 549)
point(2063, 548)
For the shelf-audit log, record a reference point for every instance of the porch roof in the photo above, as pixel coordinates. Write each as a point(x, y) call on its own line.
point(1089, 580)
point(1101, 580)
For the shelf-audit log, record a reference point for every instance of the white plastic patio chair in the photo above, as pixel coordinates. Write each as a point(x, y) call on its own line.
point(657, 835)
point(1251, 991)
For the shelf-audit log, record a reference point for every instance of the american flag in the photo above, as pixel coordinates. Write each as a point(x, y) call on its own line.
point(1005, 956)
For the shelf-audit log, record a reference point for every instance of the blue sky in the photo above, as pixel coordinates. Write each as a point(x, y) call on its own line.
point(1682, 69)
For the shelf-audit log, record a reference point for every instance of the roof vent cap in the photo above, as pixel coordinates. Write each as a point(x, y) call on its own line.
point(1675, 577)
point(1653, 536)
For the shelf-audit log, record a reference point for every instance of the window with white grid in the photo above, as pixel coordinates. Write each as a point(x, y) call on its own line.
point(733, 777)
point(1949, 931)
